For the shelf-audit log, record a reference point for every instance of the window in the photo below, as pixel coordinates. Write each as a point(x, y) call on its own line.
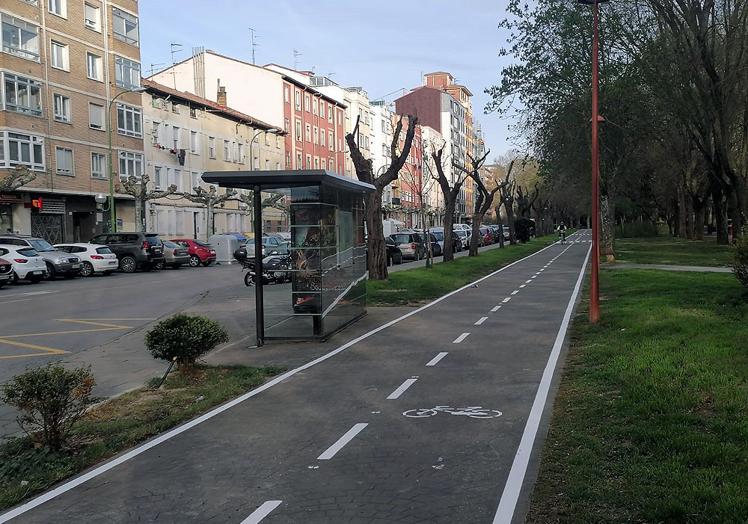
point(308, 164)
point(64, 161)
point(331, 141)
point(157, 180)
point(129, 120)
point(316, 135)
point(316, 162)
point(98, 163)
point(127, 73)
point(324, 163)
point(277, 141)
point(93, 66)
point(308, 132)
point(306, 102)
point(178, 179)
point(175, 135)
point(59, 56)
point(322, 138)
point(285, 94)
point(329, 113)
point(18, 149)
point(95, 116)
point(58, 7)
point(321, 109)
point(194, 179)
point(194, 143)
point(19, 38)
point(22, 95)
point(315, 107)
point(125, 26)
point(297, 99)
point(331, 163)
point(212, 146)
point(226, 151)
point(92, 17)
point(62, 108)
point(298, 130)
point(298, 161)
point(130, 164)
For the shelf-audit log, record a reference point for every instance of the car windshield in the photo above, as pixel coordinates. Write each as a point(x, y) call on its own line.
point(170, 245)
point(438, 235)
point(103, 250)
point(28, 252)
point(40, 245)
point(153, 240)
point(203, 244)
point(401, 238)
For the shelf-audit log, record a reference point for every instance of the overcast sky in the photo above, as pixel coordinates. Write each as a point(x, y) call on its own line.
point(384, 46)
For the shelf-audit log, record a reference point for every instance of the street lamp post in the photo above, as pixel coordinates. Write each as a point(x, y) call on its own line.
point(112, 207)
point(272, 130)
point(596, 119)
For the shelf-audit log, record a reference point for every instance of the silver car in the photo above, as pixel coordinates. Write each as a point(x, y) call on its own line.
point(58, 262)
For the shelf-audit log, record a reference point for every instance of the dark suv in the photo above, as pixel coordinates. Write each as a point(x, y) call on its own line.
point(133, 250)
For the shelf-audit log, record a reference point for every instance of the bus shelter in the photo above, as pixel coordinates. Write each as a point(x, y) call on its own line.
point(327, 251)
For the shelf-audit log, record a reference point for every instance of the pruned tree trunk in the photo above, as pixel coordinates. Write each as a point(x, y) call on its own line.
point(607, 229)
point(377, 251)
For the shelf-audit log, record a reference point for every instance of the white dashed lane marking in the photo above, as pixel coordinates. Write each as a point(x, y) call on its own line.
point(401, 389)
point(262, 512)
point(480, 321)
point(460, 338)
point(507, 299)
point(434, 361)
point(342, 441)
point(495, 309)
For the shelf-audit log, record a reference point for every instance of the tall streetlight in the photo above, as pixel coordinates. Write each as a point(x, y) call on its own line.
point(112, 208)
point(596, 119)
point(272, 130)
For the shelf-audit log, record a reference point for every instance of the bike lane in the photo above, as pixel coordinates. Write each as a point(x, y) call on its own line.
point(282, 456)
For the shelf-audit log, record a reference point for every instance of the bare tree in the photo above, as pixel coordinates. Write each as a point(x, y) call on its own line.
point(274, 201)
point(507, 200)
point(19, 176)
point(525, 200)
point(137, 187)
point(209, 199)
point(450, 191)
point(377, 251)
point(483, 201)
point(421, 186)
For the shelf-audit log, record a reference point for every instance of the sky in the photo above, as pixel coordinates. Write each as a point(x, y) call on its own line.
point(384, 46)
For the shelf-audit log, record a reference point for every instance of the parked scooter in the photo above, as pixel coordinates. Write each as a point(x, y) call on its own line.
point(276, 268)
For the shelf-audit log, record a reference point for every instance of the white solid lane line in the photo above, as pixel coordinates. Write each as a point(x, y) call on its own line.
point(495, 309)
point(480, 321)
point(262, 512)
point(460, 338)
point(514, 292)
point(342, 441)
point(434, 361)
point(507, 299)
point(401, 389)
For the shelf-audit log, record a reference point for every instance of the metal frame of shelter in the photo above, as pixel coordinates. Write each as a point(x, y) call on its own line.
point(326, 216)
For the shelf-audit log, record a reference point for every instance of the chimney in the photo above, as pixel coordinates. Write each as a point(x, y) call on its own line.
point(221, 96)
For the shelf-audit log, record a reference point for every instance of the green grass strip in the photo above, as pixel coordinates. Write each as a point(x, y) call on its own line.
point(669, 250)
point(651, 420)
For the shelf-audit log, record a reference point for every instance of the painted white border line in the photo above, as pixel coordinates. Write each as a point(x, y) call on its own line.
point(434, 361)
point(514, 292)
point(480, 321)
point(495, 309)
point(263, 511)
point(460, 338)
point(401, 389)
point(85, 477)
point(342, 441)
point(513, 486)
point(507, 299)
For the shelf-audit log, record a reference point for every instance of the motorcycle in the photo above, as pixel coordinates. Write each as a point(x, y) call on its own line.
point(276, 269)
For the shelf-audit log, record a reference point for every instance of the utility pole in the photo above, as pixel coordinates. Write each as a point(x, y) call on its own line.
point(253, 44)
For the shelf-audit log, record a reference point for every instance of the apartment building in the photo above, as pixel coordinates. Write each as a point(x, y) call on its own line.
point(63, 63)
point(187, 135)
point(282, 97)
point(381, 139)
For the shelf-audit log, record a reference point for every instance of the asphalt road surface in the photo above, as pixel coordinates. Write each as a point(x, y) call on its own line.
point(432, 417)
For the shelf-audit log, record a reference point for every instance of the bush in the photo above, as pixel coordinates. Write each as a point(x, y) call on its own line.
point(50, 400)
point(740, 260)
point(184, 338)
point(523, 229)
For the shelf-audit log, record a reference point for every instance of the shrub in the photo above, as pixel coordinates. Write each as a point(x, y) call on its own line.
point(740, 260)
point(523, 229)
point(50, 399)
point(184, 338)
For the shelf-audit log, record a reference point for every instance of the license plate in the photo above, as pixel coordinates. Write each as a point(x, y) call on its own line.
point(37, 273)
point(76, 266)
point(112, 262)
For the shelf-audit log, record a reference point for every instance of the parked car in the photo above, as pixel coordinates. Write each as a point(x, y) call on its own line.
point(94, 258)
point(436, 247)
point(285, 235)
point(458, 226)
point(411, 244)
point(57, 262)
point(394, 255)
point(464, 236)
point(134, 250)
point(26, 262)
point(175, 255)
point(269, 243)
point(6, 269)
point(438, 232)
point(486, 235)
point(199, 252)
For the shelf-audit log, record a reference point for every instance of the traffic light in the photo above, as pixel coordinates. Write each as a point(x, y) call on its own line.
point(37, 204)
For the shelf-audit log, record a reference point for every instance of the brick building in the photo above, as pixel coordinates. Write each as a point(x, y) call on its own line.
point(62, 63)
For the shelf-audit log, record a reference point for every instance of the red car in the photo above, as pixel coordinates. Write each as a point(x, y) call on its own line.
point(200, 252)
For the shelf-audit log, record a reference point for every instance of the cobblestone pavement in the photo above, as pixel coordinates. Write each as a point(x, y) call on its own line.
point(418, 421)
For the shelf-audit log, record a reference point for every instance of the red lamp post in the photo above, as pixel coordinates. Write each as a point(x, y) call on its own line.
point(596, 119)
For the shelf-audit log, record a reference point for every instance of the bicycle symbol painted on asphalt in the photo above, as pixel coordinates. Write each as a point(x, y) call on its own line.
point(469, 411)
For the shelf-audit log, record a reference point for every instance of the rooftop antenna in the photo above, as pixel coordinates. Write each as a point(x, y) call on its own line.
point(175, 48)
point(253, 44)
point(296, 55)
point(154, 68)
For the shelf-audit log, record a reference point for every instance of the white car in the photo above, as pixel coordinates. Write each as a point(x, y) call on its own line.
point(95, 258)
point(26, 262)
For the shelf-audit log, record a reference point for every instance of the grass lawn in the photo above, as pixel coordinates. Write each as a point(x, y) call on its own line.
point(669, 250)
point(417, 285)
point(119, 424)
point(651, 420)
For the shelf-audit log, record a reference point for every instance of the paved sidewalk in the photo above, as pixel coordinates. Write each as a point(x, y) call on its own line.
point(418, 420)
point(669, 267)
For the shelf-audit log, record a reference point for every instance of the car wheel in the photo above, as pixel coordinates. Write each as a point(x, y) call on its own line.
point(158, 265)
point(127, 265)
point(248, 280)
point(194, 261)
point(398, 259)
point(87, 269)
point(207, 263)
point(51, 273)
point(14, 277)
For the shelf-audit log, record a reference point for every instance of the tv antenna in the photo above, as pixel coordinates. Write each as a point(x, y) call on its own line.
point(296, 55)
point(175, 48)
point(154, 67)
point(252, 42)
